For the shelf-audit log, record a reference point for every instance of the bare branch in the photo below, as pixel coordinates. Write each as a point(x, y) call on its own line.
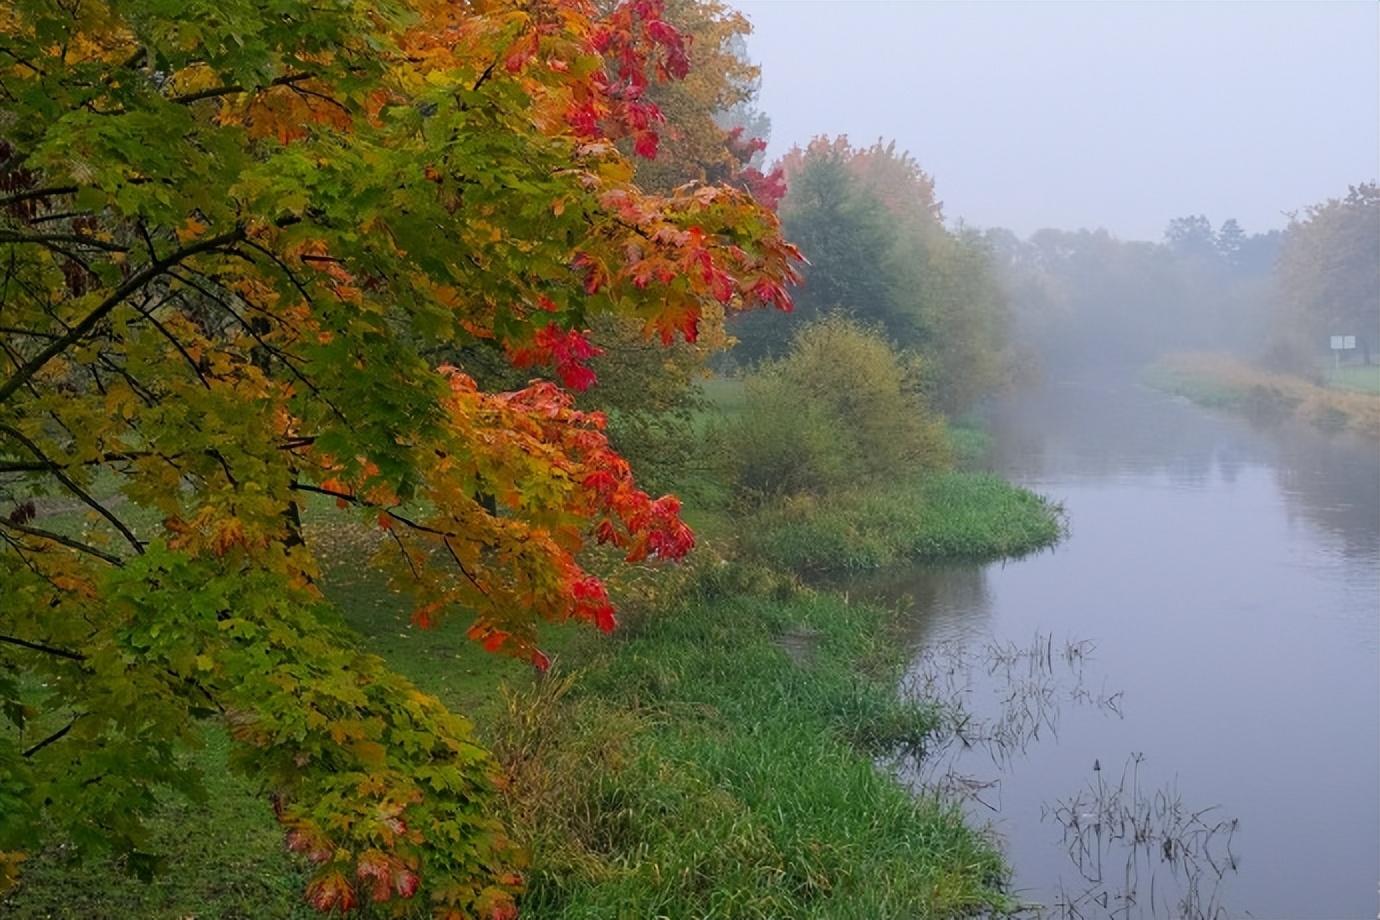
point(46, 649)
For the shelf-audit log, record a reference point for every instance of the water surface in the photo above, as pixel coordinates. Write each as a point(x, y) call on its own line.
point(1226, 573)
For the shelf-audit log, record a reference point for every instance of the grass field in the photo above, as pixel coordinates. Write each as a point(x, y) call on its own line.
point(715, 758)
point(938, 516)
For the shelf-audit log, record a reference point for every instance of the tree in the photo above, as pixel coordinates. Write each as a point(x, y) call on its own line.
point(1329, 270)
point(840, 408)
point(1231, 240)
point(869, 223)
point(1191, 236)
point(651, 394)
point(238, 238)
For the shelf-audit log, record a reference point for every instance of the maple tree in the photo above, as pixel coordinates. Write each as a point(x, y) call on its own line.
point(237, 237)
point(651, 393)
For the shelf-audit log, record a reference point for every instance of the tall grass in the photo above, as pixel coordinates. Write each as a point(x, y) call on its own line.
point(699, 768)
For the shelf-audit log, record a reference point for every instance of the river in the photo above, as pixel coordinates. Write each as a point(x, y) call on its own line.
point(1207, 638)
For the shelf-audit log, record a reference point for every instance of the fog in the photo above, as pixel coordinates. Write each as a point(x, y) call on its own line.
point(1115, 115)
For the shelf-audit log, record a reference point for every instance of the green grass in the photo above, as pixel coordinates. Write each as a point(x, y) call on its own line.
point(696, 769)
point(225, 859)
point(932, 517)
point(1364, 378)
point(970, 445)
point(1202, 389)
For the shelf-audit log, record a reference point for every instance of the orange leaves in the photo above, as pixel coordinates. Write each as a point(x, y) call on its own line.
point(287, 112)
point(547, 479)
point(523, 50)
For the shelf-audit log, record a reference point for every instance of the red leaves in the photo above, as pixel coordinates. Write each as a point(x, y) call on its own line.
point(669, 38)
point(565, 350)
point(584, 487)
point(645, 144)
point(487, 635)
point(633, 38)
point(583, 119)
point(310, 843)
point(424, 617)
point(768, 189)
point(522, 52)
point(592, 601)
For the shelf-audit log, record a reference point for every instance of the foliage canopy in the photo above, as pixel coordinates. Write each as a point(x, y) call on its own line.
point(239, 240)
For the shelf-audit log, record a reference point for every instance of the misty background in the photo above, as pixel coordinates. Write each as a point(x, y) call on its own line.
point(1114, 115)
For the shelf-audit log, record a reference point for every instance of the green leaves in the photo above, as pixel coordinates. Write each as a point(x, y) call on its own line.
point(240, 244)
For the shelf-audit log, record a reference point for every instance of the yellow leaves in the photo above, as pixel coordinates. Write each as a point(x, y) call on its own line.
point(122, 402)
point(192, 79)
point(370, 753)
point(10, 861)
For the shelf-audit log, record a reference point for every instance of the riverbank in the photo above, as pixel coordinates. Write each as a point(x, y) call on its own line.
point(1223, 382)
point(717, 756)
point(947, 516)
point(721, 754)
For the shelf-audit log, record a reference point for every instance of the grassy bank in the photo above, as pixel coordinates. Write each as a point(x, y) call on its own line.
point(722, 755)
point(1222, 382)
point(970, 516)
point(716, 758)
point(718, 761)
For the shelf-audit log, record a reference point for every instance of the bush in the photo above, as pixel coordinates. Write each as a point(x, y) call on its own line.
point(841, 408)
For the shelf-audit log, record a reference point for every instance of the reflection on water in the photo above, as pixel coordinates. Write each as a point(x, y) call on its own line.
point(1229, 576)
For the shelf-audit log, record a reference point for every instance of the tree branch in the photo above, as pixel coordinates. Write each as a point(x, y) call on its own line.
point(46, 649)
point(117, 297)
point(64, 540)
point(55, 736)
point(233, 88)
point(75, 489)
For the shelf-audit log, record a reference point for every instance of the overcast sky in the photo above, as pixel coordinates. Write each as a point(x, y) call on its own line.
point(1114, 114)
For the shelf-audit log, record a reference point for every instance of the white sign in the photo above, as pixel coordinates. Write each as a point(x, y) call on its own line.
point(1343, 342)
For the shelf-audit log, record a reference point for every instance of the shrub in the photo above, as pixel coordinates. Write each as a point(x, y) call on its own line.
point(841, 408)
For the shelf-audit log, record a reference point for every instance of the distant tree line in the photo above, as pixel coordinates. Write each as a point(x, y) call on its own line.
point(1085, 297)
